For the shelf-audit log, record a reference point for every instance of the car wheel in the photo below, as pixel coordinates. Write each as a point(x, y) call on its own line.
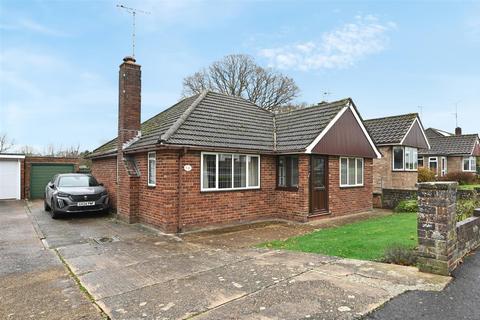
point(54, 212)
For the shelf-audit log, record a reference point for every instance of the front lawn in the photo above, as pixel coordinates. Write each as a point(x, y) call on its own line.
point(365, 240)
point(468, 186)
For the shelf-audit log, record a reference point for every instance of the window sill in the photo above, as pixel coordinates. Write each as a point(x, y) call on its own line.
point(355, 186)
point(230, 190)
point(152, 186)
point(405, 170)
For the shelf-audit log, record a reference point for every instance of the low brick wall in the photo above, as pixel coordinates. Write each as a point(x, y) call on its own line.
point(468, 236)
point(391, 197)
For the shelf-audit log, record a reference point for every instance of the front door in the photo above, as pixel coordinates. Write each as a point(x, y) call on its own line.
point(318, 184)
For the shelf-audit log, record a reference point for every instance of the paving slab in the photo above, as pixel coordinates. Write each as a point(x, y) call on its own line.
point(137, 273)
point(34, 284)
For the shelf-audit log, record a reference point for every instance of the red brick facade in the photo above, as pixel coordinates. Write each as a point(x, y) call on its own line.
point(176, 203)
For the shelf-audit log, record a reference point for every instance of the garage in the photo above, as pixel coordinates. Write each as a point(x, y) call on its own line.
point(11, 176)
point(42, 173)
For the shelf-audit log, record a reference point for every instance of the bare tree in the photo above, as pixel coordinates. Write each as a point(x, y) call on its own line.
point(239, 75)
point(5, 143)
point(28, 150)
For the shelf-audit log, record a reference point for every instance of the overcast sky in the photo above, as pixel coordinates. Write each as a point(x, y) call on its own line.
point(59, 59)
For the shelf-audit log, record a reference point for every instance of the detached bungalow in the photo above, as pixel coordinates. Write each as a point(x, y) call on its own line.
point(398, 139)
point(450, 152)
point(213, 159)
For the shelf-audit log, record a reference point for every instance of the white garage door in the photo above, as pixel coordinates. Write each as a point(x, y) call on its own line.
point(9, 179)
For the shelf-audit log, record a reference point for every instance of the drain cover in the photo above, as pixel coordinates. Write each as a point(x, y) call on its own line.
point(102, 240)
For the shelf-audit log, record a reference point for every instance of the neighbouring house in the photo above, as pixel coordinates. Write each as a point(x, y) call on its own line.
point(451, 153)
point(213, 159)
point(26, 176)
point(395, 174)
point(435, 133)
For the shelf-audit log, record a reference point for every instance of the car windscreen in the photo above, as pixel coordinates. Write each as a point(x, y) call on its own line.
point(77, 181)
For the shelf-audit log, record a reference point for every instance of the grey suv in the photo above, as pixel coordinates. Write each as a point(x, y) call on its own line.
point(75, 192)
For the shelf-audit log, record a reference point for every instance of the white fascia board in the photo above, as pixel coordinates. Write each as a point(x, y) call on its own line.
point(12, 156)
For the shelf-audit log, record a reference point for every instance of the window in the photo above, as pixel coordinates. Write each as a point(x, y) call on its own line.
point(351, 172)
point(420, 162)
point(444, 166)
point(77, 181)
point(433, 164)
point(405, 158)
point(227, 171)
point(152, 168)
point(469, 164)
point(287, 172)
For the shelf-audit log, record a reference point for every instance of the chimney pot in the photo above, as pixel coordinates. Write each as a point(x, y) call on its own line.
point(458, 131)
point(129, 59)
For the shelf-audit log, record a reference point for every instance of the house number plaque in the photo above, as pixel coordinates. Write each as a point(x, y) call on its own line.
point(187, 167)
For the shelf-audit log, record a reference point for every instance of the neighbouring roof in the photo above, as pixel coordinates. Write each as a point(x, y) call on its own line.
point(451, 145)
point(435, 133)
point(390, 130)
point(216, 120)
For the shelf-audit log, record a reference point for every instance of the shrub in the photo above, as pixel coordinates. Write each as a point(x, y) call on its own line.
point(425, 175)
point(460, 177)
point(399, 254)
point(407, 206)
point(465, 208)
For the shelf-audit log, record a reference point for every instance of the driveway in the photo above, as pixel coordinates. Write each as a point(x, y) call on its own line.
point(34, 284)
point(137, 273)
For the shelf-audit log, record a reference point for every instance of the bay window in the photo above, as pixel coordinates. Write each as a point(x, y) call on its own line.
point(469, 164)
point(351, 172)
point(228, 171)
point(405, 158)
point(287, 172)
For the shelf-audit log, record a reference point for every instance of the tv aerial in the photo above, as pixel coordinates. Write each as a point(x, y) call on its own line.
point(134, 13)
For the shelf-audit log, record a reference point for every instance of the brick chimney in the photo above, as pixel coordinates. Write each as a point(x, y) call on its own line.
point(129, 105)
point(129, 101)
point(458, 131)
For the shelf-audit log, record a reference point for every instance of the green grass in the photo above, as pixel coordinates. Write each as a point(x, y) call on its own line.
point(365, 240)
point(468, 186)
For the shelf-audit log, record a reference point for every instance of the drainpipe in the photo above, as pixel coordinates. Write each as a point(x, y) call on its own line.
point(181, 154)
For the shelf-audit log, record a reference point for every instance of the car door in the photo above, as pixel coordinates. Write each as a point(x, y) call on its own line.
point(49, 190)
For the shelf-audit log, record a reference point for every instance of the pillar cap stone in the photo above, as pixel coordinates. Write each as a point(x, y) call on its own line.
point(438, 185)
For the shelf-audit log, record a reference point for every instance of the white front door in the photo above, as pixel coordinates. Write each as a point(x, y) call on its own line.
point(444, 166)
point(9, 179)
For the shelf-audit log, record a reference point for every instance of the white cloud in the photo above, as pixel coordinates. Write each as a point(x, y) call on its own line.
point(336, 49)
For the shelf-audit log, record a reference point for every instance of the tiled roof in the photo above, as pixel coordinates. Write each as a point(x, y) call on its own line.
point(434, 133)
point(221, 121)
point(298, 128)
point(390, 130)
point(451, 145)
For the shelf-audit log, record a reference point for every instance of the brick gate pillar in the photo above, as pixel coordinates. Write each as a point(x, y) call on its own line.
point(437, 233)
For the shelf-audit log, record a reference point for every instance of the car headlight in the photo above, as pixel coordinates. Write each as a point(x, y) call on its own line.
point(62, 194)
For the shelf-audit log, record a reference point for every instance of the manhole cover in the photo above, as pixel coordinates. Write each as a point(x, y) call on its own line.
point(103, 240)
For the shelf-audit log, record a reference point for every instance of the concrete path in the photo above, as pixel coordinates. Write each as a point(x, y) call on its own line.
point(134, 273)
point(460, 300)
point(34, 284)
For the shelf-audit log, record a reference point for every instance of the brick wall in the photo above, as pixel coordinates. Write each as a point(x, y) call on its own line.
point(105, 171)
point(29, 160)
point(159, 206)
point(385, 177)
point(346, 200)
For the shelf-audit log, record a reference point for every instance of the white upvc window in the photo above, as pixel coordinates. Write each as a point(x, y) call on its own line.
point(433, 164)
point(443, 167)
point(404, 158)
point(229, 171)
point(469, 164)
point(152, 169)
point(351, 172)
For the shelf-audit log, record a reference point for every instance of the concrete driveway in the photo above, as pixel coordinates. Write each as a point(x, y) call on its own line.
point(136, 273)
